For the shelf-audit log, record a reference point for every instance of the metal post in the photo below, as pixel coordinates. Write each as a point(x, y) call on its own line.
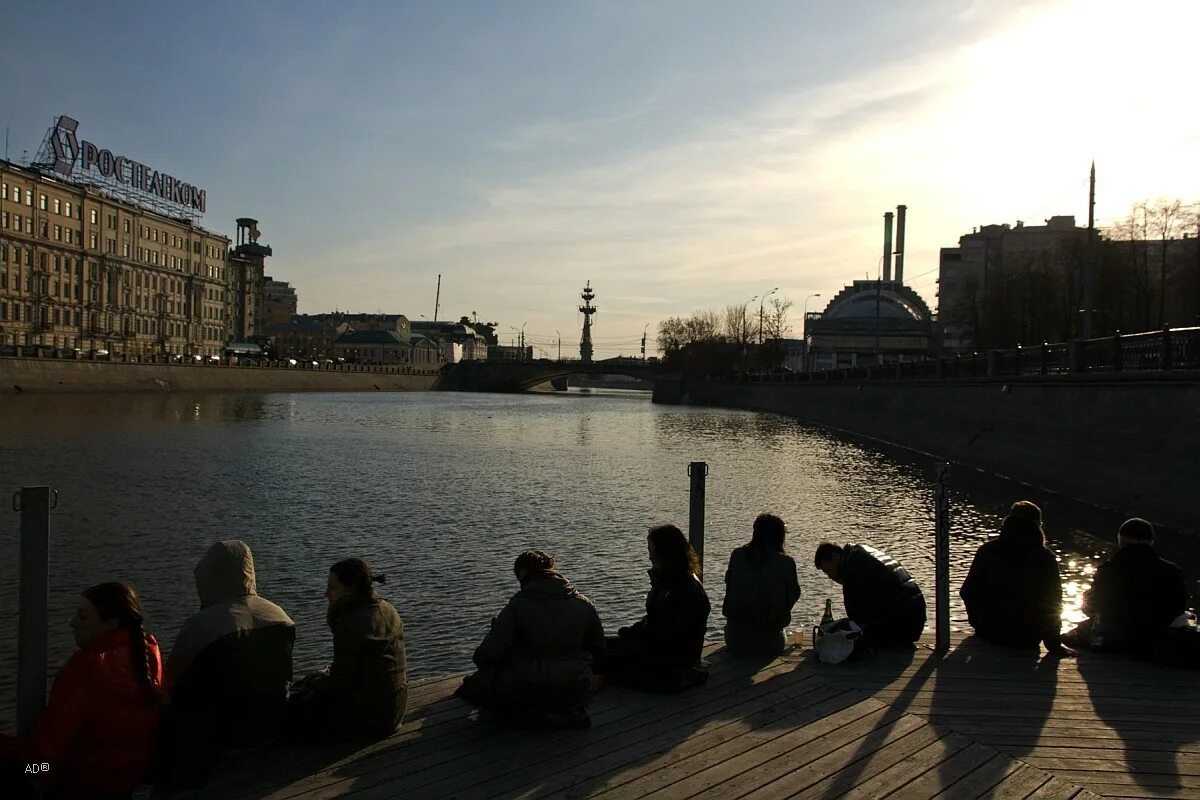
point(32, 629)
point(1166, 347)
point(697, 471)
point(942, 558)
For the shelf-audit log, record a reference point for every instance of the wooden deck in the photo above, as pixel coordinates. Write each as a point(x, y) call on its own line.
point(983, 722)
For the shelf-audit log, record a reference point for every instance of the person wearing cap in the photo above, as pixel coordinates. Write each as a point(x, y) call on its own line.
point(1013, 592)
point(1136, 594)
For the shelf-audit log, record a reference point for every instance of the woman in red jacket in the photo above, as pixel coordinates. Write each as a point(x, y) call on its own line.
point(97, 731)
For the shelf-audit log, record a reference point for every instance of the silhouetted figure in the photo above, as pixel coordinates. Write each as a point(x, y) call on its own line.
point(1135, 595)
point(1013, 591)
point(761, 588)
point(535, 664)
point(661, 652)
point(97, 731)
point(363, 693)
point(877, 591)
point(228, 672)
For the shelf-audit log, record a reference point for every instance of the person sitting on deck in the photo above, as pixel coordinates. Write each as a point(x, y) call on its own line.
point(1135, 596)
point(761, 588)
point(97, 732)
point(662, 651)
point(877, 591)
point(535, 664)
point(363, 693)
point(1013, 592)
point(228, 672)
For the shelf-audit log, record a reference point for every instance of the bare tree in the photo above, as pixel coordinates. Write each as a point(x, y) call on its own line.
point(736, 324)
point(775, 322)
point(1165, 218)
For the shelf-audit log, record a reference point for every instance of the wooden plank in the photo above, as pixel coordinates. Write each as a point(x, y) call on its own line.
point(982, 781)
point(1057, 789)
point(850, 764)
point(945, 774)
point(908, 770)
point(858, 773)
point(1019, 784)
point(792, 750)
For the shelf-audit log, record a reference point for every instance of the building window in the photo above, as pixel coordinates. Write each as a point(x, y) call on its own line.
point(29, 197)
point(4, 220)
point(70, 236)
point(128, 227)
point(58, 233)
point(45, 230)
point(68, 208)
point(3, 191)
point(125, 249)
point(95, 242)
point(42, 202)
point(57, 206)
point(111, 245)
point(155, 234)
point(93, 218)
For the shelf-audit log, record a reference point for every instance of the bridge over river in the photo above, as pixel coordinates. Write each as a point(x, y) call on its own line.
point(520, 376)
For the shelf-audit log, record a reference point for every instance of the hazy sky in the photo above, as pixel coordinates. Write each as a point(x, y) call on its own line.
point(680, 155)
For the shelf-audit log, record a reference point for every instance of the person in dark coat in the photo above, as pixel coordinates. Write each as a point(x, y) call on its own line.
point(535, 664)
point(661, 652)
point(228, 672)
point(1136, 594)
point(364, 692)
point(1013, 592)
point(761, 588)
point(877, 591)
point(96, 733)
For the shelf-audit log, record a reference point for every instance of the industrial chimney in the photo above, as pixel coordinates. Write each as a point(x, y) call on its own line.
point(900, 244)
point(887, 246)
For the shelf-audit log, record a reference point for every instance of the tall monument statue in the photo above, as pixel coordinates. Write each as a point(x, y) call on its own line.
point(587, 309)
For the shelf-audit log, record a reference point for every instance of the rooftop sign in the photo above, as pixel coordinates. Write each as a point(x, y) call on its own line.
point(78, 159)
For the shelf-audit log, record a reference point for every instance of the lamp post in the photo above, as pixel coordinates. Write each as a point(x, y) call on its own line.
point(762, 300)
point(806, 356)
point(559, 344)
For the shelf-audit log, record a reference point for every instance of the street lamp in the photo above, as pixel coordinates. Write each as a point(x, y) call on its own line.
point(762, 300)
point(559, 344)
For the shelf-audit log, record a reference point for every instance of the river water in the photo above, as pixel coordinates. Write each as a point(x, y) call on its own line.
point(441, 491)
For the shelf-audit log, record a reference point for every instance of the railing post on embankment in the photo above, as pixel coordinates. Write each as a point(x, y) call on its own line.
point(34, 503)
point(941, 517)
point(697, 471)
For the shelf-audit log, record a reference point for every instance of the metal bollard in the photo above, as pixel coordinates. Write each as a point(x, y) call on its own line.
point(697, 471)
point(941, 517)
point(34, 503)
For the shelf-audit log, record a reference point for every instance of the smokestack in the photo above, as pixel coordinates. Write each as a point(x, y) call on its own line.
point(887, 246)
point(900, 244)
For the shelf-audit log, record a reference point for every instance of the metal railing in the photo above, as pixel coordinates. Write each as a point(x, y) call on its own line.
point(46, 353)
point(1154, 351)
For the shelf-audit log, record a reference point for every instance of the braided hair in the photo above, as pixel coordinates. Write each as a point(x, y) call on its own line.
point(118, 601)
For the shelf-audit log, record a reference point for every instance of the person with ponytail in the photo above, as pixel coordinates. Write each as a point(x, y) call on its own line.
point(97, 731)
point(535, 661)
point(761, 587)
point(364, 692)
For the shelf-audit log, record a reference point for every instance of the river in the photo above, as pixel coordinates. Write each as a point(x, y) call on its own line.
point(441, 491)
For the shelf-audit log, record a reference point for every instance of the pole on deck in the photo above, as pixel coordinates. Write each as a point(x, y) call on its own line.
point(34, 503)
point(697, 471)
point(942, 558)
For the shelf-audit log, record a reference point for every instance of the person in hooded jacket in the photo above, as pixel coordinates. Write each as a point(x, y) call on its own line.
point(535, 664)
point(661, 651)
point(1013, 592)
point(97, 731)
point(363, 694)
point(228, 672)
point(877, 591)
point(761, 587)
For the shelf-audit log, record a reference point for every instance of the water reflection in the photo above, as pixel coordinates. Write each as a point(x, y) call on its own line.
point(442, 491)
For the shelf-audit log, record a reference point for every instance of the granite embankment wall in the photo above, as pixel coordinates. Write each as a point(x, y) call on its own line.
point(1129, 442)
point(52, 375)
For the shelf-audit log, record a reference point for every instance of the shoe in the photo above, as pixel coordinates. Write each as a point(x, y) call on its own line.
point(578, 719)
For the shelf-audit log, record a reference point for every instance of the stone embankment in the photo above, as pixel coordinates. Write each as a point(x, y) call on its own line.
point(55, 375)
point(1125, 441)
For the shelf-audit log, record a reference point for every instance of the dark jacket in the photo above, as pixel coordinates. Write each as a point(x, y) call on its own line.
point(366, 688)
point(1136, 593)
point(539, 650)
point(672, 632)
point(1013, 593)
point(97, 731)
point(880, 596)
point(761, 588)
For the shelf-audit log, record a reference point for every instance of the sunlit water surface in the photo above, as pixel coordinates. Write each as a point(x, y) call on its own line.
point(441, 491)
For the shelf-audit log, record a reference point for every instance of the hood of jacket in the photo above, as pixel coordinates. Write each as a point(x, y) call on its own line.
point(547, 584)
point(226, 572)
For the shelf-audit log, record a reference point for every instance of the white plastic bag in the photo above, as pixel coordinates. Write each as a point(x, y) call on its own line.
point(834, 641)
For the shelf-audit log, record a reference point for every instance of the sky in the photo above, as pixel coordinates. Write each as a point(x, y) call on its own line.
point(680, 155)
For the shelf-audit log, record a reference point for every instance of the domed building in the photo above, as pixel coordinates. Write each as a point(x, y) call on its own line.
point(869, 322)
